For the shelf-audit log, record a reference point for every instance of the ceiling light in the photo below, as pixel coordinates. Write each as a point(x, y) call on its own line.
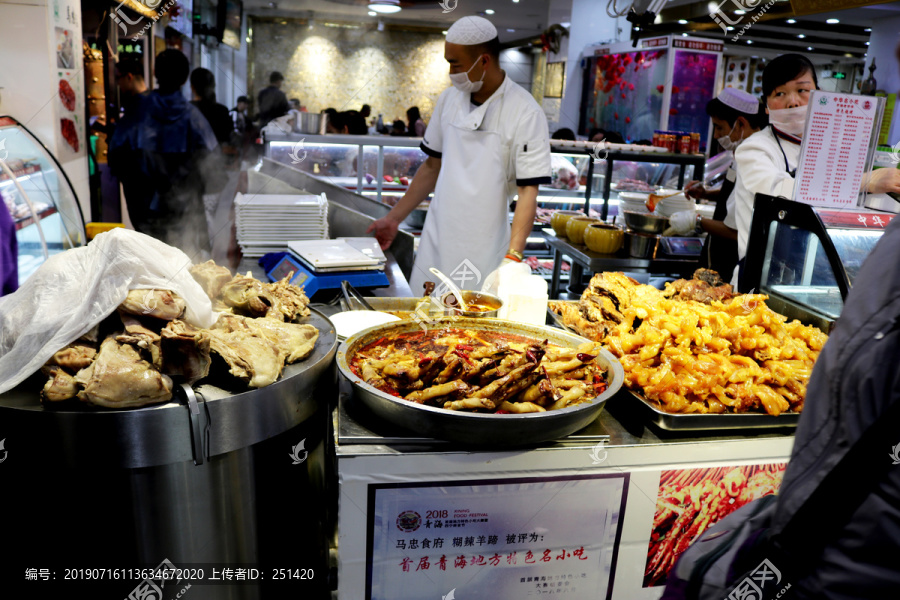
point(683, 35)
point(385, 6)
point(682, 22)
point(372, 13)
point(566, 24)
point(867, 43)
point(730, 28)
point(832, 21)
point(801, 36)
point(510, 30)
point(749, 41)
point(444, 32)
point(868, 29)
point(740, 12)
point(848, 55)
point(515, 1)
point(791, 21)
point(489, 11)
point(809, 48)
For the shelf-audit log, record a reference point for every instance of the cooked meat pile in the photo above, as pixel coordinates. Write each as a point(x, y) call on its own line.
point(481, 371)
point(148, 346)
point(693, 356)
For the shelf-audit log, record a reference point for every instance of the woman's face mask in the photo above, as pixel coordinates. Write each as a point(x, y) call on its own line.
point(789, 120)
point(461, 80)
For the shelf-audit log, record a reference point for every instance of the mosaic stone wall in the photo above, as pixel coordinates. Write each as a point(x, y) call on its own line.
point(345, 68)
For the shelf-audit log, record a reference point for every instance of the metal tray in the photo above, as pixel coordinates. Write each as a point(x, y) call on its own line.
point(474, 428)
point(694, 422)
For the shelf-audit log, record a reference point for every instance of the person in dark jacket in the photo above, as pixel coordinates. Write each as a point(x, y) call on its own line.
point(272, 101)
point(9, 253)
point(160, 153)
point(203, 87)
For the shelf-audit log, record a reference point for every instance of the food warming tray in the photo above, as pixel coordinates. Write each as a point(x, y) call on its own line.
point(474, 428)
point(695, 422)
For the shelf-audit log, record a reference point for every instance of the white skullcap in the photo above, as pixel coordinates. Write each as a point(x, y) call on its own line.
point(470, 31)
point(739, 100)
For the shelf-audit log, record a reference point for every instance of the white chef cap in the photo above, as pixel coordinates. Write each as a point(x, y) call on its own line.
point(470, 31)
point(739, 100)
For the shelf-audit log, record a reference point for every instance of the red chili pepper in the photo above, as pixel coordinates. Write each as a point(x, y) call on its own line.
point(462, 355)
point(599, 388)
point(585, 357)
point(425, 360)
point(465, 347)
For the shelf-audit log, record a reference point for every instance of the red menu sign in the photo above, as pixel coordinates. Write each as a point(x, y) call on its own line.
point(837, 144)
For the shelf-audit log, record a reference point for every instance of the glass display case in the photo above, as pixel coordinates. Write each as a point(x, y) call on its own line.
point(38, 195)
point(805, 259)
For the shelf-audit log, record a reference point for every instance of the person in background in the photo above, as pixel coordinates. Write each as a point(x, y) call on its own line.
point(416, 127)
point(272, 101)
point(337, 121)
point(563, 173)
point(356, 123)
point(294, 113)
point(767, 161)
point(239, 114)
point(398, 128)
point(563, 134)
point(602, 135)
point(129, 72)
point(736, 115)
point(365, 112)
point(9, 252)
point(487, 140)
point(203, 90)
point(161, 157)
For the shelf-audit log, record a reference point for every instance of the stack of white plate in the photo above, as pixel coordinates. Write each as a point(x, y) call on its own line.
point(673, 204)
point(266, 223)
point(633, 202)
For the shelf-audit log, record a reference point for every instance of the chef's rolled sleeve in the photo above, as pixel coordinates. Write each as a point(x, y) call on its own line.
point(532, 151)
point(433, 140)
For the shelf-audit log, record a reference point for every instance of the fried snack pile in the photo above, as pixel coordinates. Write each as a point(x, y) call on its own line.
point(691, 501)
point(691, 357)
point(481, 371)
point(145, 347)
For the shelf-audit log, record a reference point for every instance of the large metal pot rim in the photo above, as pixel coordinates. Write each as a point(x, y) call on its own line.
point(615, 372)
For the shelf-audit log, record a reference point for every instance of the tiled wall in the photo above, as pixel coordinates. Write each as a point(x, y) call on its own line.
point(345, 68)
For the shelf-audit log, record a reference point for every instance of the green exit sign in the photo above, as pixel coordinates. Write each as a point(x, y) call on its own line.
point(840, 76)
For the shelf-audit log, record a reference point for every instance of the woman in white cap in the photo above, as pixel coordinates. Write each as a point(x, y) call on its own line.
point(736, 115)
point(487, 139)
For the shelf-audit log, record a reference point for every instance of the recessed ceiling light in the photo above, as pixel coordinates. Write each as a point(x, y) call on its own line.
point(682, 22)
point(801, 36)
point(730, 28)
point(867, 43)
point(832, 21)
point(749, 41)
point(868, 29)
point(372, 13)
point(791, 21)
point(740, 12)
point(444, 32)
point(515, 1)
point(510, 30)
point(848, 55)
point(489, 11)
point(683, 35)
point(809, 48)
point(385, 6)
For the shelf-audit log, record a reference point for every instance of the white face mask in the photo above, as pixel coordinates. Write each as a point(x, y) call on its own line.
point(789, 120)
point(461, 80)
point(727, 143)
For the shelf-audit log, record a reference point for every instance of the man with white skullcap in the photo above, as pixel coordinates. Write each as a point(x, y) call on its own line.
point(487, 140)
point(736, 115)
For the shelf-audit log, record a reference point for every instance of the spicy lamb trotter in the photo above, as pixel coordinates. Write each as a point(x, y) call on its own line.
point(481, 371)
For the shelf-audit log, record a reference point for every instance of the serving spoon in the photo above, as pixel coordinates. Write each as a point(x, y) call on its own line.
point(453, 289)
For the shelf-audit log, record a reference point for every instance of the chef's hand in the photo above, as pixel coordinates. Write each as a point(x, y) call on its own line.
point(385, 230)
point(882, 181)
point(682, 223)
point(694, 190)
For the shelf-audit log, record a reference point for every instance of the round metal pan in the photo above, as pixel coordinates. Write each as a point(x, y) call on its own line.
point(479, 428)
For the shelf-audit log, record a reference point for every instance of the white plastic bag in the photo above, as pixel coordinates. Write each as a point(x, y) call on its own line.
point(75, 290)
point(524, 295)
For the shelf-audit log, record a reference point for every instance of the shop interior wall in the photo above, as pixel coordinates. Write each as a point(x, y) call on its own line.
point(519, 66)
point(883, 47)
point(229, 66)
point(559, 11)
point(344, 68)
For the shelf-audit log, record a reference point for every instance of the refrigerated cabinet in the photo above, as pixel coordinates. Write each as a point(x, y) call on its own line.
point(805, 259)
point(39, 196)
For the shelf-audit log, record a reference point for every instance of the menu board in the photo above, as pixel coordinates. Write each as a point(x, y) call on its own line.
point(501, 539)
point(66, 68)
point(837, 148)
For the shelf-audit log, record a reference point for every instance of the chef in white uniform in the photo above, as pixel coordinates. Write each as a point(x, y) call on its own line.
point(486, 141)
point(767, 160)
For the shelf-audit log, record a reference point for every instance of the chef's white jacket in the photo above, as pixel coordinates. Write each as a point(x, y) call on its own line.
point(521, 123)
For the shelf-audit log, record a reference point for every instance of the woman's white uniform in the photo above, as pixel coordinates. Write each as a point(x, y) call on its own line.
point(485, 151)
point(766, 163)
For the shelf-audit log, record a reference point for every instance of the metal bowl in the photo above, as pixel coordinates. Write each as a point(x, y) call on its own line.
point(474, 428)
point(645, 223)
point(642, 245)
point(448, 301)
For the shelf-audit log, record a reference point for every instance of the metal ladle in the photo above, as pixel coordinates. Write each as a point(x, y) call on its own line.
point(453, 289)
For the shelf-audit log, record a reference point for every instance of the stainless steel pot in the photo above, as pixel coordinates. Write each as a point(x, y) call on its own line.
point(311, 123)
point(475, 428)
